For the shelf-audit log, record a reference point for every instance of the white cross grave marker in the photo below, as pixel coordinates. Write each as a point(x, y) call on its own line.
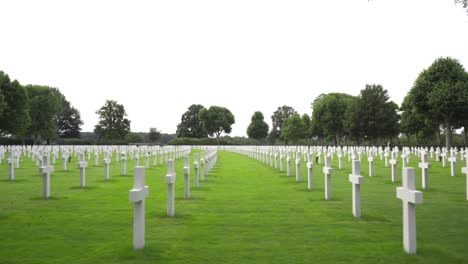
point(424, 165)
point(410, 198)
point(310, 174)
point(137, 196)
point(170, 180)
point(356, 179)
point(124, 164)
point(107, 161)
point(11, 166)
point(327, 170)
point(288, 164)
point(82, 166)
point(453, 162)
point(187, 177)
point(298, 166)
point(394, 162)
point(195, 170)
point(45, 171)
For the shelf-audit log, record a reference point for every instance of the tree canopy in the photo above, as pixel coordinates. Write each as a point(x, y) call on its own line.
point(191, 126)
point(278, 118)
point(154, 134)
point(329, 110)
point(293, 128)
point(440, 93)
point(216, 120)
point(112, 122)
point(257, 128)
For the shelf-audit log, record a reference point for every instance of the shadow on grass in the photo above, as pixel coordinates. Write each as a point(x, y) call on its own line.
point(201, 188)
point(13, 181)
point(373, 218)
point(111, 180)
point(51, 198)
point(83, 188)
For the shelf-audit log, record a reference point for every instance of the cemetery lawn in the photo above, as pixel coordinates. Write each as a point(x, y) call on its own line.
point(244, 212)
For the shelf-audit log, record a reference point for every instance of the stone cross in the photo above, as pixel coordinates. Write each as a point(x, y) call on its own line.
point(298, 166)
point(45, 171)
point(147, 159)
point(155, 158)
point(410, 198)
point(371, 164)
point(424, 165)
point(386, 158)
point(202, 168)
point(276, 159)
point(82, 166)
point(195, 170)
point(444, 157)
point(137, 196)
point(107, 161)
point(281, 160)
point(96, 158)
point(310, 174)
point(187, 177)
point(137, 160)
point(327, 170)
point(340, 162)
point(394, 162)
point(356, 179)
point(11, 166)
point(465, 171)
point(64, 161)
point(124, 164)
point(403, 160)
point(288, 164)
point(453, 161)
point(170, 180)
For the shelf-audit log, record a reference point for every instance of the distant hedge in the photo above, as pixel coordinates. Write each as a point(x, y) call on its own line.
point(213, 141)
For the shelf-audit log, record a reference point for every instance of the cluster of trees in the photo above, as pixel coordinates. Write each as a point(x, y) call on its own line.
point(35, 111)
point(437, 101)
point(200, 122)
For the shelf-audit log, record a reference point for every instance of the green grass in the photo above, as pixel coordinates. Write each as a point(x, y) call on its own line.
point(245, 212)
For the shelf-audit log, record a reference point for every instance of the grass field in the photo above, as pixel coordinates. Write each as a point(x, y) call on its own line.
point(244, 212)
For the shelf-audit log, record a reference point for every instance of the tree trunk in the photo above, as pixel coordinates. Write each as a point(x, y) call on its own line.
point(439, 138)
point(464, 136)
point(337, 138)
point(448, 135)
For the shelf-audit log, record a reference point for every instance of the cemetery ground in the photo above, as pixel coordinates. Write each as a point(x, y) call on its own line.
point(244, 212)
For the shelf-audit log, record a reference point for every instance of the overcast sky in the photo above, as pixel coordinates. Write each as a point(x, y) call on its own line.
point(159, 57)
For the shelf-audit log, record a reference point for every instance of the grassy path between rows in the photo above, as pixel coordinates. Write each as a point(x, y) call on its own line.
point(244, 212)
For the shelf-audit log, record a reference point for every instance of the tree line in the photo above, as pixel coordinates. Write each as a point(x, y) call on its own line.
point(36, 112)
point(436, 103)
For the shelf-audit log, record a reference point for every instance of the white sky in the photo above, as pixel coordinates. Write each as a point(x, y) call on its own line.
point(159, 57)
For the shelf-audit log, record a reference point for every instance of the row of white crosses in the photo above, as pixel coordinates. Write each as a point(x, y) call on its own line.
point(406, 193)
point(140, 191)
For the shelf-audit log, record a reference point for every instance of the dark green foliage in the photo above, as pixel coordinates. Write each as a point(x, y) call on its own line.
point(69, 121)
point(372, 116)
point(134, 138)
point(190, 125)
point(216, 120)
point(154, 134)
point(293, 128)
point(328, 112)
point(15, 119)
point(277, 120)
point(112, 122)
point(225, 140)
point(440, 93)
point(46, 105)
point(258, 128)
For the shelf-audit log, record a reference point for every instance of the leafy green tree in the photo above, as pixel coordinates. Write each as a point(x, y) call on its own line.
point(278, 118)
point(112, 122)
point(191, 126)
point(216, 120)
point(154, 134)
point(46, 104)
point(371, 115)
point(293, 128)
point(440, 93)
point(307, 127)
point(258, 128)
point(4, 80)
point(329, 111)
point(69, 121)
point(134, 138)
point(15, 119)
